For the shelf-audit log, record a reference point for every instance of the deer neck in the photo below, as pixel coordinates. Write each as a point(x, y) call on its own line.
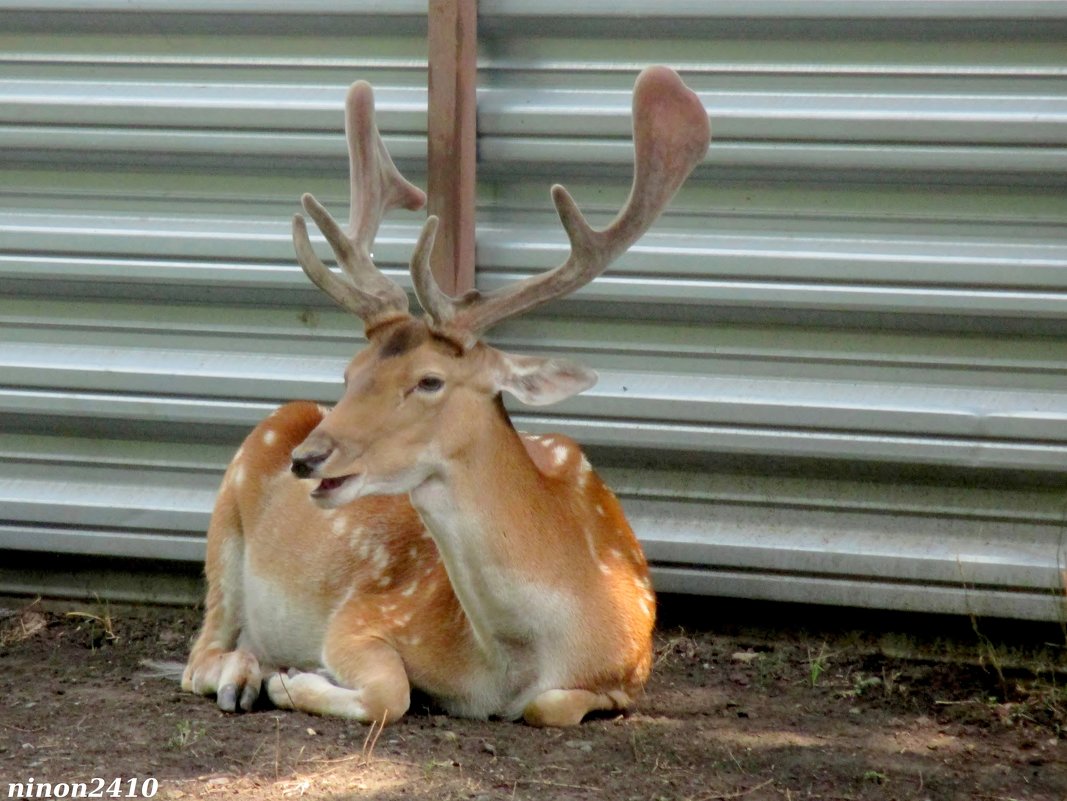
point(490, 512)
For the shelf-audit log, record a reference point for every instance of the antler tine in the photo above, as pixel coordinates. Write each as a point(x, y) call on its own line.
point(376, 186)
point(671, 136)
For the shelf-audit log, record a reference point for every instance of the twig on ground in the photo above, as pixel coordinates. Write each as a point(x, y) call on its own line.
point(371, 739)
point(542, 783)
point(277, 746)
point(738, 794)
point(734, 759)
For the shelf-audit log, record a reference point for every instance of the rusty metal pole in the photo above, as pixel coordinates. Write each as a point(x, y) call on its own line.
point(452, 139)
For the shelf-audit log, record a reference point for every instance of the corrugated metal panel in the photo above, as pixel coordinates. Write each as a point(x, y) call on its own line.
point(836, 371)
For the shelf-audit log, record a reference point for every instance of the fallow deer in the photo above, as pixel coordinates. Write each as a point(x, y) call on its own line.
point(410, 536)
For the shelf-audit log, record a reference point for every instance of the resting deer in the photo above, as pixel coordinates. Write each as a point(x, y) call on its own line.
point(411, 536)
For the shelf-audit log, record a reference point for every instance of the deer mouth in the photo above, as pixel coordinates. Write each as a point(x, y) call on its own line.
point(328, 486)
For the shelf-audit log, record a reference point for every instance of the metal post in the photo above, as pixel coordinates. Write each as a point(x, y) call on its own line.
point(452, 135)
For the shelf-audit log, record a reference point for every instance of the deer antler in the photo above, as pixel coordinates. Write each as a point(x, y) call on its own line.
point(375, 186)
point(671, 136)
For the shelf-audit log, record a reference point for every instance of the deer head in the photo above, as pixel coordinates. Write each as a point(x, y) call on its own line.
point(417, 394)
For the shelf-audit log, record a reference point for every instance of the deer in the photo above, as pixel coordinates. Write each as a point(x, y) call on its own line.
point(410, 536)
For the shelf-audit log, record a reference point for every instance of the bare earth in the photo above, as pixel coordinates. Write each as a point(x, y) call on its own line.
point(785, 704)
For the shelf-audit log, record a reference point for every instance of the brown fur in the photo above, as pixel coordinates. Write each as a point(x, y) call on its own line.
point(552, 511)
point(435, 546)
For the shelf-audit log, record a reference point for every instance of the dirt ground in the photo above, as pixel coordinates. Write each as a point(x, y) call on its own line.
point(776, 704)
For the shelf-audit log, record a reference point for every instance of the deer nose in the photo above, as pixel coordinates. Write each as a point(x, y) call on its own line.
point(306, 464)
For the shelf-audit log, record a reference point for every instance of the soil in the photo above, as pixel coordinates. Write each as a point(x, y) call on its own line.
point(767, 706)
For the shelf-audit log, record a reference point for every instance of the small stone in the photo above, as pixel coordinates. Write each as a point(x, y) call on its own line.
point(311, 732)
point(579, 745)
point(489, 748)
point(171, 637)
point(747, 657)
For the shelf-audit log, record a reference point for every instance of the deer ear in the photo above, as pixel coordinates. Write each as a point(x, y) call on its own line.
point(540, 382)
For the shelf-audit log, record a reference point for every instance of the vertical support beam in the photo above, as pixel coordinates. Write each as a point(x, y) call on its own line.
point(452, 129)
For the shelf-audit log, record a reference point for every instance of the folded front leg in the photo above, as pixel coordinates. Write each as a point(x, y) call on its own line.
point(377, 691)
point(366, 676)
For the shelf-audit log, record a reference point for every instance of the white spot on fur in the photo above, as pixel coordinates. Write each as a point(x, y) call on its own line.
point(380, 560)
point(548, 442)
point(409, 590)
point(385, 580)
point(239, 475)
point(591, 544)
point(270, 436)
point(559, 455)
point(600, 510)
point(364, 550)
point(584, 471)
point(339, 526)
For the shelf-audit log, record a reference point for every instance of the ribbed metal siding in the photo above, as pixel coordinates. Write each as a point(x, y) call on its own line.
point(834, 372)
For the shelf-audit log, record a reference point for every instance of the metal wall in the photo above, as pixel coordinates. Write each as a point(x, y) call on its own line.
point(836, 370)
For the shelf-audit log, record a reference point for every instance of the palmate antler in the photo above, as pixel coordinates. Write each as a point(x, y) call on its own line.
point(671, 136)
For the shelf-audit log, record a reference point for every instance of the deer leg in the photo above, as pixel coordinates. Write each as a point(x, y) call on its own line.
point(371, 682)
point(569, 707)
point(234, 677)
point(216, 666)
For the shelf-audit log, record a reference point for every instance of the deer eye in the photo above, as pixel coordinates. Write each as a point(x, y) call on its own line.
point(430, 383)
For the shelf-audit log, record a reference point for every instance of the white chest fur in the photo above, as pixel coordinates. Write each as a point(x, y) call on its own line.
point(525, 629)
